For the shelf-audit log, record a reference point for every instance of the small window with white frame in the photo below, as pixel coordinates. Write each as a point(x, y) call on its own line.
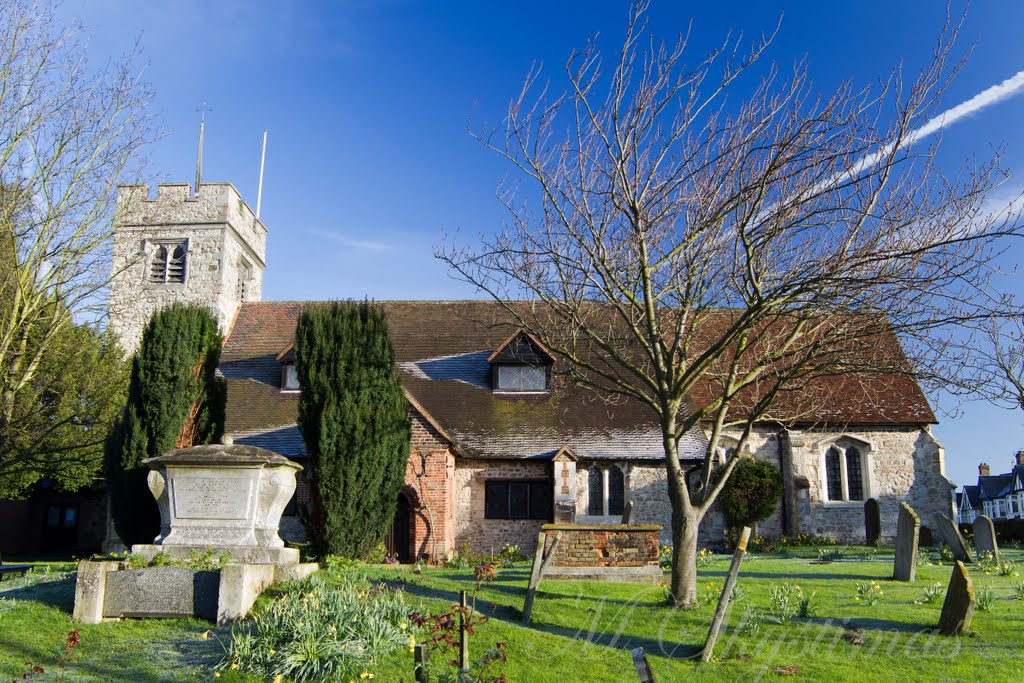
point(289, 378)
point(846, 473)
point(168, 262)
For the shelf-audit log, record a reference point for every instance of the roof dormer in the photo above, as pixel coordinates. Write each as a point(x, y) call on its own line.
point(521, 365)
point(289, 376)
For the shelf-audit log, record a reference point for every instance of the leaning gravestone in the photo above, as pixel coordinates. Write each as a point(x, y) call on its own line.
point(985, 537)
point(958, 607)
point(872, 522)
point(907, 527)
point(951, 534)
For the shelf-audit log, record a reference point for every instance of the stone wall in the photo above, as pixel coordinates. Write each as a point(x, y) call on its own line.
point(221, 232)
point(603, 545)
point(485, 535)
point(902, 463)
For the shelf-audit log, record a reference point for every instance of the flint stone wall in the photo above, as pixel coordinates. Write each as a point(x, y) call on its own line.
point(221, 231)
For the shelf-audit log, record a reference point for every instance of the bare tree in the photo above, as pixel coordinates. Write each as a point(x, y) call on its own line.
point(68, 135)
point(716, 258)
point(999, 360)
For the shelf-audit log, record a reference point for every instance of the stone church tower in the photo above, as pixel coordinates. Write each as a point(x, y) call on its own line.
point(207, 248)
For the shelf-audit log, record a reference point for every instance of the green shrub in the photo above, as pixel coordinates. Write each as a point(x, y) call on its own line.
point(353, 419)
point(318, 631)
point(831, 554)
point(174, 401)
point(751, 493)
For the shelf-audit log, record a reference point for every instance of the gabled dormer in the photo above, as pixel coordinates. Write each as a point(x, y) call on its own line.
point(521, 365)
point(289, 377)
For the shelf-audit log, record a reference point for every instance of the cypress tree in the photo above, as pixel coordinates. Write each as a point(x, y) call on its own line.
point(353, 419)
point(174, 401)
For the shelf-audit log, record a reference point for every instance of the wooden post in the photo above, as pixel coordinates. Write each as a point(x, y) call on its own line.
point(642, 666)
point(627, 513)
point(723, 600)
point(420, 657)
point(540, 563)
point(463, 636)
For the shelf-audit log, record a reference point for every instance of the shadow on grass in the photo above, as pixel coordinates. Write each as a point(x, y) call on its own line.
point(584, 635)
point(57, 591)
point(823, 576)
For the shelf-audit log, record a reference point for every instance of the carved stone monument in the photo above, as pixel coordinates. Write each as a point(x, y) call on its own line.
point(951, 534)
point(907, 528)
point(226, 497)
point(872, 522)
point(958, 608)
point(985, 537)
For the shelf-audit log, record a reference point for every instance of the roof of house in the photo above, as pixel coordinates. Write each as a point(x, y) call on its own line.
point(972, 493)
point(443, 351)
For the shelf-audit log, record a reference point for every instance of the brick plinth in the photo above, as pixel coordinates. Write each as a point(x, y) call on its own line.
point(604, 545)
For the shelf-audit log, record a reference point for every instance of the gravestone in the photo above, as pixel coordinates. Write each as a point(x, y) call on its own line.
point(872, 522)
point(958, 607)
point(985, 537)
point(907, 527)
point(926, 537)
point(951, 534)
point(174, 592)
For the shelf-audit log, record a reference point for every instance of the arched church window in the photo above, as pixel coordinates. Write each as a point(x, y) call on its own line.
point(616, 491)
point(595, 492)
point(844, 473)
point(833, 473)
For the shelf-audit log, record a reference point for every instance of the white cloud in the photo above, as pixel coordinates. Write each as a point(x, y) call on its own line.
point(348, 242)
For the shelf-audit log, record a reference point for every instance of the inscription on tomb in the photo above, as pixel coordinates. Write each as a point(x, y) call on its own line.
point(210, 498)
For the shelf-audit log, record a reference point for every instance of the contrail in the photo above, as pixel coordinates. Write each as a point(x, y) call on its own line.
point(997, 93)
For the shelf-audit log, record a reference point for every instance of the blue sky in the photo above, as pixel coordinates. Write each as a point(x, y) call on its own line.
point(367, 103)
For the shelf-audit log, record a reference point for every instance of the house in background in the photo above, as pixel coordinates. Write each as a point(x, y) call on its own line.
point(501, 441)
point(997, 496)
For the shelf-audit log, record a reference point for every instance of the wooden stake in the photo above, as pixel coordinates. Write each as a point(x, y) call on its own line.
point(463, 636)
point(540, 564)
point(420, 657)
point(723, 600)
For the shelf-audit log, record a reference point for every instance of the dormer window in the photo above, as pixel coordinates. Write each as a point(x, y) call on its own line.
point(521, 365)
point(289, 375)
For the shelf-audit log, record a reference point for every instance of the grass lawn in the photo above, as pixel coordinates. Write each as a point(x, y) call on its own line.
point(584, 631)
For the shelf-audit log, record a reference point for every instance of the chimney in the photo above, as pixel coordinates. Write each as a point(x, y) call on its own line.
point(1020, 457)
point(983, 470)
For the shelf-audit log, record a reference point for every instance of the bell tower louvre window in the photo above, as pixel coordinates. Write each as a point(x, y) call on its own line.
point(168, 263)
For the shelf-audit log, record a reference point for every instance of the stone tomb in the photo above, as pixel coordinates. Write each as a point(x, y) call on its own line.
point(907, 528)
point(604, 552)
point(225, 499)
point(985, 537)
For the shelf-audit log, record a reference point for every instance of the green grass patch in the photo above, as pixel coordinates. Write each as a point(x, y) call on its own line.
point(583, 631)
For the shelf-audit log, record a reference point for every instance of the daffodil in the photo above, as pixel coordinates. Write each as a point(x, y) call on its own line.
point(234, 665)
point(204, 635)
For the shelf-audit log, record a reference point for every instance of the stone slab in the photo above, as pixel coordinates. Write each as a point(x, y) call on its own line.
point(240, 585)
point(90, 588)
point(161, 592)
point(951, 534)
point(872, 522)
point(908, 527)
point(985, 537)
point(958, 608)
point(647, 574)
point(239, 554)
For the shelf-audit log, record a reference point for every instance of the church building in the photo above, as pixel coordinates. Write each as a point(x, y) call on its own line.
point(501, 443)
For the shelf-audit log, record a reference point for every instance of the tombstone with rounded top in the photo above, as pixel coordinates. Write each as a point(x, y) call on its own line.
point(985, 537)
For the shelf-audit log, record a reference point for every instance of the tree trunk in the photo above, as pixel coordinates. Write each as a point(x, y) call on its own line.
point(685, 525)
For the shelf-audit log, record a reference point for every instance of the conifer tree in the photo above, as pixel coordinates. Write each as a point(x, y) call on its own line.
point(352, 416)
point(174, 401)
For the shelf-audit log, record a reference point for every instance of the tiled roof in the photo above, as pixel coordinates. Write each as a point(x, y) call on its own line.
point(442, 351)
point(994, 486)
point(972, 493)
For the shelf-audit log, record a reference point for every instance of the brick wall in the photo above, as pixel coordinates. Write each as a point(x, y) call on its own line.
point(429, 479)
point(603, 545)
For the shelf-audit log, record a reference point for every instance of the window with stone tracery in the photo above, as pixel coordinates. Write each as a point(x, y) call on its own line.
point(845, 473)
point(168, 263)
